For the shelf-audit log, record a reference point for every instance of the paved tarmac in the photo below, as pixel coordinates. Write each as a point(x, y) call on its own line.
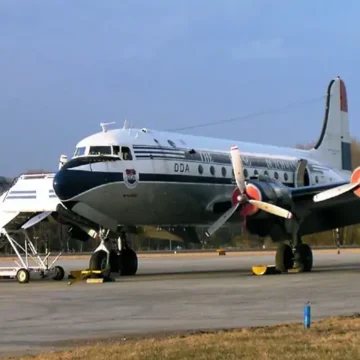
point(173, 294)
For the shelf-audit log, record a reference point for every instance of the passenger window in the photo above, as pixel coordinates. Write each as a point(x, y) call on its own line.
point(126, 153)
point(116, 150)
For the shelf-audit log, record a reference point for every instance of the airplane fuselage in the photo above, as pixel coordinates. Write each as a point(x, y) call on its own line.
point(170, 179)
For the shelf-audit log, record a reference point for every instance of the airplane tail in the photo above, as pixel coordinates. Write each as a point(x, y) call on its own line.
point(334, 144)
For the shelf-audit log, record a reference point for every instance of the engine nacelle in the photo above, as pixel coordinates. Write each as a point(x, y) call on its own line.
point(264, 189)
point(81, 228)
point(259, 222)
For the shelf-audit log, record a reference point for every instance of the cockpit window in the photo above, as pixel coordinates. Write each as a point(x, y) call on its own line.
point(116, 150)
point(100, 150)
point(80, 151)
point(126, 153)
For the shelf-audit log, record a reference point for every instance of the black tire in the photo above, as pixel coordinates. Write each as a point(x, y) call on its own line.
point(60, 273)
point(304, 258)
point(128, 262)
point(98, 262)
point(115, 260)
point(284, 258)
point(23, 276)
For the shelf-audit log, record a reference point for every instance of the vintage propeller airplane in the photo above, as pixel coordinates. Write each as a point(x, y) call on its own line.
point(122, 178)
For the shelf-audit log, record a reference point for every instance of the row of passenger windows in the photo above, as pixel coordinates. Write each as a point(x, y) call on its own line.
point(246, 172)
point(125, 153)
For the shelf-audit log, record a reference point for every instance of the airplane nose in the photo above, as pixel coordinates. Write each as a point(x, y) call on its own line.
point(69, 183)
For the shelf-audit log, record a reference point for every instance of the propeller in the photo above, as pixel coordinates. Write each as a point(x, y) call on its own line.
point(331, 193)
point(221, 220)
point(342, 189)
point(243, 198)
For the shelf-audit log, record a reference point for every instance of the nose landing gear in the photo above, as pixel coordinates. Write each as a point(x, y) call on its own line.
point(114, 256)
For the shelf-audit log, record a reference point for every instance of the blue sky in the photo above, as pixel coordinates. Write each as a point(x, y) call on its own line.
point(66, 66)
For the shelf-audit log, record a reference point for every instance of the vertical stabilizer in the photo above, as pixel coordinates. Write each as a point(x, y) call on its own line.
point(334, 144)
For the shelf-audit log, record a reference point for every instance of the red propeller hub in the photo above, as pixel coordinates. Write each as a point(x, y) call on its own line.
point(253, 193)
point(355, 178)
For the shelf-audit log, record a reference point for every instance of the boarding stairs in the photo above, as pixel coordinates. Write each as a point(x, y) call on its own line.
point(30, 200)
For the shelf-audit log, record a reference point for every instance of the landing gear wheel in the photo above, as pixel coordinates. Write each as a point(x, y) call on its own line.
point(284, 258)
point(98, 262)
point(128, 263)
point(303, 258)
point(115, 260)
point(23, 276)
point(60, 273)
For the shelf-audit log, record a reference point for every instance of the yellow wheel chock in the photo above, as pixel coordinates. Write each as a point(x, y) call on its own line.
point(265, 270)
point(77, 275)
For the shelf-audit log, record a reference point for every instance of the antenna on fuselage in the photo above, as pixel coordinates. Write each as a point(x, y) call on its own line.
point(103, 125)
point(127, 126)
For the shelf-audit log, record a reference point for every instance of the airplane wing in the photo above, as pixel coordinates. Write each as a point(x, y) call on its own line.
point(311, 205)
point(312, 208)
point(325, 207)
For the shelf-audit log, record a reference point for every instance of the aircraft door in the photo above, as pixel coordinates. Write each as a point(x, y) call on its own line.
point(130, 172)
point(302, 174)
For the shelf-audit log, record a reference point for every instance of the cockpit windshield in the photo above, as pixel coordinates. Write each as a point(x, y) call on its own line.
point(100, 150)
point(123, 152)
point(79, 151)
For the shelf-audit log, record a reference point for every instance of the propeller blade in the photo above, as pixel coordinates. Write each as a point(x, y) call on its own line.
point(339, 190)
point(238, 168)
point(272, 209)
point(221, 220)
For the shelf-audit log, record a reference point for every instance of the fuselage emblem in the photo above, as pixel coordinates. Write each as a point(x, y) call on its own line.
point(131, 178)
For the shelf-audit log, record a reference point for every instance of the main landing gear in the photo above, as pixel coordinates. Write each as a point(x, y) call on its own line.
point(295, 256)
point(114, 256)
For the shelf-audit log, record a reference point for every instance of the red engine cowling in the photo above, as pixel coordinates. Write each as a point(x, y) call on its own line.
point(267, 191)
point(252, 192)
point(355, 178)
